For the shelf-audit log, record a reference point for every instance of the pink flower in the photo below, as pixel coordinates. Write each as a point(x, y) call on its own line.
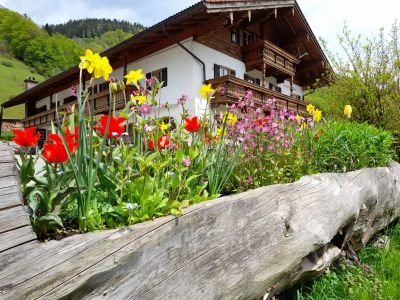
point(73, 89)
point(182, 100)
point(145, 109)
point(186, 162)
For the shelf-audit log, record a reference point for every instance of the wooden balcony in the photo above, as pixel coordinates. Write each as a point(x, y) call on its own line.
point(235, 87)
point(263, 55)
point(101, 105)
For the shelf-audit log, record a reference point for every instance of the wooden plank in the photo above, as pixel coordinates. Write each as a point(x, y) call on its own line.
point(6, 182)
point(7, 169)
point(13, 218)
point(236, 247)
point(11, 197)
point(16, 237)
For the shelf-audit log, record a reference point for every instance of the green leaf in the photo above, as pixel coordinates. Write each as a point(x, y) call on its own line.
point(179, 155)
point(190, 179)
point(175, 212)
point(184, 204)
point(176, 180)
point(51, 217)
point(27, 171)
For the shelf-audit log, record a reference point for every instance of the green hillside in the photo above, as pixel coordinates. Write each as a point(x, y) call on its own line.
point(12, 74)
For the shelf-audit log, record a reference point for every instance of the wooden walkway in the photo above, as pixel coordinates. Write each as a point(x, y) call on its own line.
point(15, 226)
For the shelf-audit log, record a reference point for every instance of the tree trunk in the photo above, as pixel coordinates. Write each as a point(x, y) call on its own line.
point(244, 246)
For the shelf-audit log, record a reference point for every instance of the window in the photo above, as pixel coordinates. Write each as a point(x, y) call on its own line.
point(220, 71)
point(160, 74)
point(41, 109)
point(247, 37)
point(275, 87)
point(53, 103)
point(235, 35)
point(103, 87)
point(69, 99)
point(252, 79)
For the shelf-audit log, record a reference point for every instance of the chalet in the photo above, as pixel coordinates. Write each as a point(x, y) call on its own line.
point(266, 46)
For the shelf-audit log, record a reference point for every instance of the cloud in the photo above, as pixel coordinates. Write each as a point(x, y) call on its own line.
point(326, 18)
point(54, 12)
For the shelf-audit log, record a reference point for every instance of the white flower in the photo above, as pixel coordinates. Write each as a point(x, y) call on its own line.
point(114, 134)
point(170, 173)
point(130, 206)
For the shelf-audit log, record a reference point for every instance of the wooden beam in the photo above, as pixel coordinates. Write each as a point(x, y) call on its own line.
point(306, 66)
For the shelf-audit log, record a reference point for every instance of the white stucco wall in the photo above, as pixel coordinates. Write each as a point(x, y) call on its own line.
point(285, 86)
point(43, 102)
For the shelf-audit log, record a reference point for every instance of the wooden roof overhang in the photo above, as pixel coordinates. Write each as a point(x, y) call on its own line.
point(284, 24)
point(212, 15)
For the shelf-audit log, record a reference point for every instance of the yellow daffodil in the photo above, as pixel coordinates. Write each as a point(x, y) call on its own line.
point(317, 115)
point(347, 111)
point(94, 63)
point(89, 61)
point(304, 125)
point(140, 99)
point(164, 127)
point(219, 131)
point(310, 108)
point(206, 90)
point(103, 69)
point(231, 119)
point(134, 76)
point(298, 117)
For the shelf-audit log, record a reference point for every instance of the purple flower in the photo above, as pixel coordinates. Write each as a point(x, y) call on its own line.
point(73, 89)
point(186, 162)
point(145, 109)
point(182, 100)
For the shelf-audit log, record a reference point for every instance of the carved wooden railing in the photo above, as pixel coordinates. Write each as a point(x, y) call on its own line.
point(233, 88)
point(101, 105)
point(263, 52)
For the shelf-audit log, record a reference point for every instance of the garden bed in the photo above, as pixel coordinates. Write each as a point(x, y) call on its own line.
point(241, 246)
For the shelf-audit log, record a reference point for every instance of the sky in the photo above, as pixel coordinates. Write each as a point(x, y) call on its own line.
point(326, 17)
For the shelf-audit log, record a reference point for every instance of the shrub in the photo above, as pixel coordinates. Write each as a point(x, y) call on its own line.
point(6, 135)
point(7, 64)
point(346, 146)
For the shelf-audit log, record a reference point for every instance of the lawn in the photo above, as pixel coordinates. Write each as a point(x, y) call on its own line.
point(12, 74)
point(376, 277)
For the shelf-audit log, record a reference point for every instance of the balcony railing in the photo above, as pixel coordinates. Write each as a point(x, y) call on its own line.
point(234, 87)
point(263, 52)
point(101, 105)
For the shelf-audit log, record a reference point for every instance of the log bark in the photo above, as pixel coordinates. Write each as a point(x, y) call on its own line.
point(246, 246)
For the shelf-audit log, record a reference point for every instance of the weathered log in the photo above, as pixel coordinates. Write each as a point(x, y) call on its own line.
point(243, 246)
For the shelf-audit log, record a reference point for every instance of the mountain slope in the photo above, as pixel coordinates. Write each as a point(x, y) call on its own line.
point(91, 28)
point(12, 74)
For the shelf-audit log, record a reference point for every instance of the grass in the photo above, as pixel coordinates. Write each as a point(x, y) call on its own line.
point(12, 74)
point(377, 277)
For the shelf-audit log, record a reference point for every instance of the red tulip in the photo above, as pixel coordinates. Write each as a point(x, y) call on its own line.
point(69, 137)
point(26, 137)
point(192, 125)
point(114, 130)
point(150, 144)
point(163, 142)
point(56, 152)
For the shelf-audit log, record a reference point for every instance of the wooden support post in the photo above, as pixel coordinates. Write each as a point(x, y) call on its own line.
point(291, 86)
point(264, 67)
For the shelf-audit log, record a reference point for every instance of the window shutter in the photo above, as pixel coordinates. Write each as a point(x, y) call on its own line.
point(217, 72)
point(164, 76)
